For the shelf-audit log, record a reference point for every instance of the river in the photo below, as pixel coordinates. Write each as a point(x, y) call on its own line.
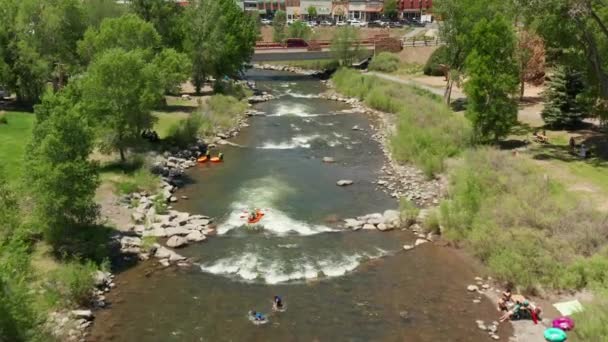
point(338, 285)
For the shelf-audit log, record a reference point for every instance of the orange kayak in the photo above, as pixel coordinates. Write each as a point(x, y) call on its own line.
point(256, 219)
point(202, 159)
point(215, 160)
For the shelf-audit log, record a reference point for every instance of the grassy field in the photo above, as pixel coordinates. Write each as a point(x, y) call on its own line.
point(14, 137)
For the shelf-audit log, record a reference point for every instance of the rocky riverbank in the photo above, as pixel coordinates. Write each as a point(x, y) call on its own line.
point(397, 180)
point(295, 70)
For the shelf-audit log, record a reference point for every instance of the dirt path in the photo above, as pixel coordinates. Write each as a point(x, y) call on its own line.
point(111, 211)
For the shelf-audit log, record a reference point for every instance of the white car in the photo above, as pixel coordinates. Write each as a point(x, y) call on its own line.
point(341, 23)
point(356, 23)
point(290, 21)
point(311, 23)
point(266, 21)
point(326, 23)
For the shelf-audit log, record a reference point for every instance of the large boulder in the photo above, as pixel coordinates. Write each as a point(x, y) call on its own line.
point(166, 253)
point(172, 231)
point(195, 236)
point(369, 226)
point(84, 314)
point(392, 218)
point(353, 224)
point(177, 242)
point(155, 231)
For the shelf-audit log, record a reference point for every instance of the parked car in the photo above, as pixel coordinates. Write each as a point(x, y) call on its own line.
point(378, 23)
point(395, 24)
point(266, 21)
point(327, 23)
point(341, 23)
point(356, 23)
point(417, 23)
point(296, 43)
point(290, 21)
point(311, 23)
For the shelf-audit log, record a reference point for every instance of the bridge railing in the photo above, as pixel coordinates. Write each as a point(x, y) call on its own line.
point(422, 41)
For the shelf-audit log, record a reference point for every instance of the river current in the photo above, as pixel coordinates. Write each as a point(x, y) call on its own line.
point(338, 285)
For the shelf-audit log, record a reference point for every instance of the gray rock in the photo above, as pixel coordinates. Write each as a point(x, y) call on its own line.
point(172, 199)
point(383, 228)
point(352, 223)
point(408, 247)
point(420, 242)
point(472, 288)
point(328, 160)
point(195, 236)
point(177, 242)
point(172, 231)
point(156, 232)
point(392, 217)
point(130, 241)
point(137, 217)
point(84, 314)
point(101, 278)
point(344, 182)
point(166, 253)
point(199, 222)
point(182, 218)
point(369, 226)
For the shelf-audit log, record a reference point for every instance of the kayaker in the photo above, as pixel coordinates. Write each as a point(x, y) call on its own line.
point(253, 215)
point(221, 156)
point(208, 154)
point(258, 316)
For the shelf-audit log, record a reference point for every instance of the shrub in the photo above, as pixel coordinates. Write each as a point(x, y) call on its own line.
point(72, 284)
point(591, 323)
point(184, 133)
point(409, 211)
point(547, 237)
point(299, 29)
point(160, 205)
point(221, 112)
point(140, 180)
point(428, 132)
point(3, 118)
point(385, 62)
point(433, 65)
point(431, 223)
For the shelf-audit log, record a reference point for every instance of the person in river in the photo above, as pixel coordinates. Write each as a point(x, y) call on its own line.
point(221, 156)
point(258, 316)
point(278, 303)
point(505, 300)
point(208, 154)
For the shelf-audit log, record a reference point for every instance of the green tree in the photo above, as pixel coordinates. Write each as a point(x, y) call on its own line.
point(299, 29)
point(62, 178)
point(278, 26)
point(119, 90)
point(174, 69)
point(345, 46)
point(460, 16)
point(128, 32)
point(492, 79)
point(312, 12)
point(391, 9)
point(98, 10)
point(166, 16)
point(220, 38)
point(564, 106)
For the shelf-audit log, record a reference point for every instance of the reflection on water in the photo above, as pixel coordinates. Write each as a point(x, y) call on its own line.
point(340, 286)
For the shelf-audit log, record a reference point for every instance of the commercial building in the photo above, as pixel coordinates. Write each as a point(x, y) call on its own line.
point(322, 7)
point(415, 8)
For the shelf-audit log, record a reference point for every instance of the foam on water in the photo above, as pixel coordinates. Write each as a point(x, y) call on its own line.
point(266, 194)
point(298, 141)
point(271, 269)
point(300, 95)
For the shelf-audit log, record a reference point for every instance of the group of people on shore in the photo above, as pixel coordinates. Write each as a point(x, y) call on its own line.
point(515, 307)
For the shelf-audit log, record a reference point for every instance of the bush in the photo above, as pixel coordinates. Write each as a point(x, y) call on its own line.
point(220, 113)
point(433, 65)
point(547, 237)
point(299, 29)
point(428, 132)
point(3, 118)
point(140, 180)
point(160, 205)
point(385, 62)
point(431, 223)
point(592, 323)
point(184, 133)
point(409, 211)
point(72, 284)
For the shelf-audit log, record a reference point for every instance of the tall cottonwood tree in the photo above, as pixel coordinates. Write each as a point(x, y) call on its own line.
point(492, 79)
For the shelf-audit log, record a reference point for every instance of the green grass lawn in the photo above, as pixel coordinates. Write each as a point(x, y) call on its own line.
point(166, 120)
point(14, 137)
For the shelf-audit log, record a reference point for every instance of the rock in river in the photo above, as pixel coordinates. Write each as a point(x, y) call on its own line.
point(344, 182)
point(195, 236)
point(176, 242)
point(328, 160)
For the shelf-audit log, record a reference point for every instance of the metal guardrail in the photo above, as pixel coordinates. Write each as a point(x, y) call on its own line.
point(418, 42)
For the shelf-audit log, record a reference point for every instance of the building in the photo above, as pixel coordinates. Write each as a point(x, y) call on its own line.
point(322, 7)
point(365, 10)
point(339, 10)
point(415, 8)
point(292, 9)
